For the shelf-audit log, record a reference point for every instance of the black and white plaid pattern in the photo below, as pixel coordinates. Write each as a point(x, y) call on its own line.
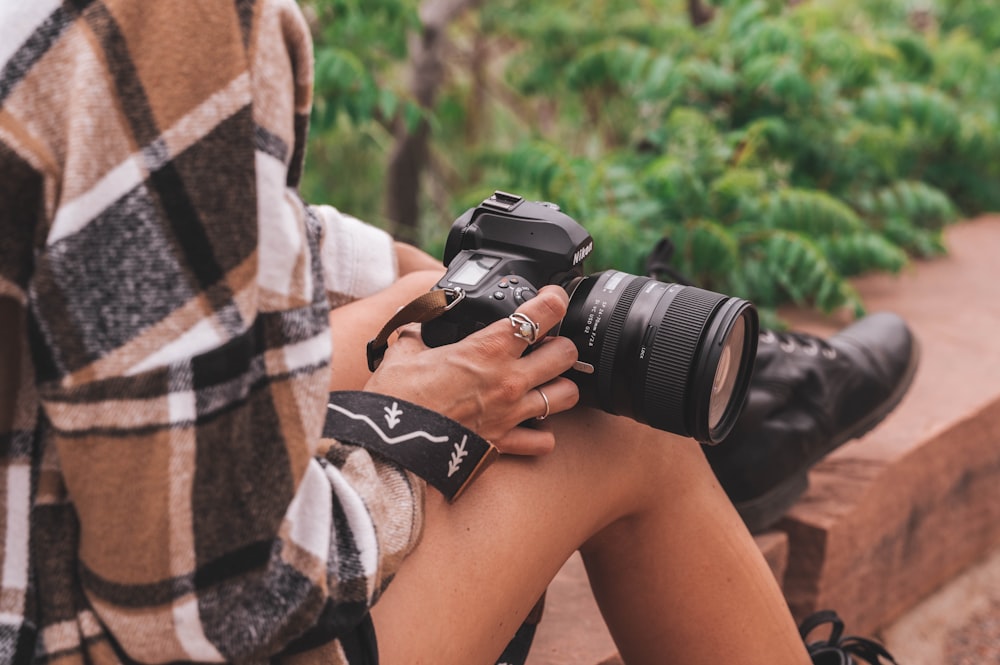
point(164, 345)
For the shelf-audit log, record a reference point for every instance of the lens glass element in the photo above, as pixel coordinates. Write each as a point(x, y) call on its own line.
point(726, 373)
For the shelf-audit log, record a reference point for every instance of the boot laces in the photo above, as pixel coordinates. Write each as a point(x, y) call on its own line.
point(791, 342)
point(853, 647)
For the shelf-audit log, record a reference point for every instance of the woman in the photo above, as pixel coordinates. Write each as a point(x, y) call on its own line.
point(169, 495)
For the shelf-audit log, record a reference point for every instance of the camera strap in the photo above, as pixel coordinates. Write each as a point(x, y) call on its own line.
point(436, 448)
point(423, 308)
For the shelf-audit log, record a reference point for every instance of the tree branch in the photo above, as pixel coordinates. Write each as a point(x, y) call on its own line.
point(410, 154)
point(700, 12)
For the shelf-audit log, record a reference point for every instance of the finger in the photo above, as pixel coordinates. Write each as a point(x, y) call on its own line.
point(406, 339)
point(531, 321)
point(552, 397)
point(547, 360)
point(527, 441)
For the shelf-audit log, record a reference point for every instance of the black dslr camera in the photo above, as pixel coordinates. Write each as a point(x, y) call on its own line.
point(678, 358)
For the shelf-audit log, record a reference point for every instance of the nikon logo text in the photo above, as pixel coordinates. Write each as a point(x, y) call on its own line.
point(582, 253)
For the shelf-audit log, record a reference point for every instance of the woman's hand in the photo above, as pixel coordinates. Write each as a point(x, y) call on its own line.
point(484, 382)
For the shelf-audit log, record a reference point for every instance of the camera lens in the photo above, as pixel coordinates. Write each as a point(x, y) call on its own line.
point(676, 357)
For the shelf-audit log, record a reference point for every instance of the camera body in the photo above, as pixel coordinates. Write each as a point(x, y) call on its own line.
point(675, 357)
point(499, 254)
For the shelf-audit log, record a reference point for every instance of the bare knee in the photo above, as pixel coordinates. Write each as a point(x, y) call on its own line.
point(633, 466)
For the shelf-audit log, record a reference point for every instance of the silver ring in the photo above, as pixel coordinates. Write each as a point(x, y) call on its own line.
point(547, 410)
point(524, 328)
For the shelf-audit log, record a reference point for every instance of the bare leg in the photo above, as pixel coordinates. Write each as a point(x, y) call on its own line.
point(676, 574)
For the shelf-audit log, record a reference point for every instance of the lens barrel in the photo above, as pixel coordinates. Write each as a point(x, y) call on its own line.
point(676, 357)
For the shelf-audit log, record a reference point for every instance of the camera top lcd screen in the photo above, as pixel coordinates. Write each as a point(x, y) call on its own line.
point(474, 269)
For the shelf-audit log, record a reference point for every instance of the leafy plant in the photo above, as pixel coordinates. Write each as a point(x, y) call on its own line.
point(784, 147)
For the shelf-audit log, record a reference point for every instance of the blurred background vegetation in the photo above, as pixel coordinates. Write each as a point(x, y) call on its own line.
point(782, 145)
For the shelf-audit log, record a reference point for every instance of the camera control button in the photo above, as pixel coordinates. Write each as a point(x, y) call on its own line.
point(522, 294)
point(503, 284)
point(499, 295)
point(515, 280)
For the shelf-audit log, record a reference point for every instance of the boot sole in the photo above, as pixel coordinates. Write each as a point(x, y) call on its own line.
point(765, 510)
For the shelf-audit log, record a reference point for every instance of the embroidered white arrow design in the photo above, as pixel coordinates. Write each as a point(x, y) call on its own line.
point(457, 457)
point(392, 414)
point(418, 434)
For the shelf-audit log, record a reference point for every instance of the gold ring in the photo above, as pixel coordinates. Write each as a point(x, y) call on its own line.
point(524, 328)
point(547, 409)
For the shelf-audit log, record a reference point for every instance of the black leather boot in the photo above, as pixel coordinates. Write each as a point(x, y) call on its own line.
point(807, 397)
point(839, 649)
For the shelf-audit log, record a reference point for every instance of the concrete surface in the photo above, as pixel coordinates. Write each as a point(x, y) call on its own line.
point(957, 625)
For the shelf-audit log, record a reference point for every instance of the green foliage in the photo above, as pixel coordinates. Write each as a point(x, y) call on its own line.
point(977, 17)
point(809, 213)
point(861, 252)
point(785, 265)
point(920, 204)
point(784, 147)
point(355, 44)
point(358, 48)
point(933, 115)
point(705, 249)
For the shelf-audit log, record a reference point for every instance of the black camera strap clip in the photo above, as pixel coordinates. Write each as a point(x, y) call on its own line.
point(424, 308)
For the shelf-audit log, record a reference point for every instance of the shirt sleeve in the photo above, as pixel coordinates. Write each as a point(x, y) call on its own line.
point(358, 259)
point(178, 323)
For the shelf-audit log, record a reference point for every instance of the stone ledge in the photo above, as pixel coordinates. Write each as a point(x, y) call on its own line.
point(890, 518)
point(871, 541)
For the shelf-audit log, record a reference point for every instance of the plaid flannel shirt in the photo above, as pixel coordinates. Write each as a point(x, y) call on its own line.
point(164, 346)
